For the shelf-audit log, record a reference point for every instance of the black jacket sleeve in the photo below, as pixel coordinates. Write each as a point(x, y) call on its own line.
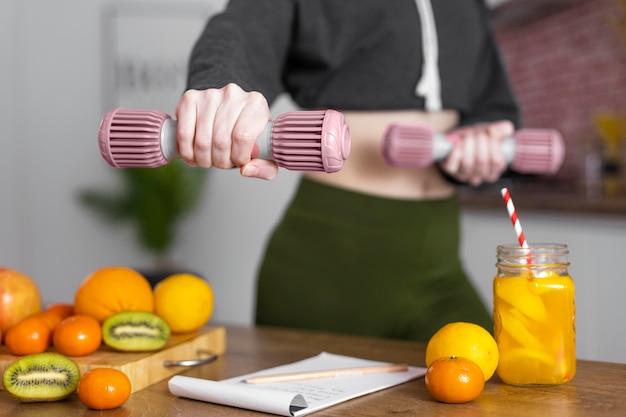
point(247, 44)
point(491, 91)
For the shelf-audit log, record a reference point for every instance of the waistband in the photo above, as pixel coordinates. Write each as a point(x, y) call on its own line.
point(352, 207)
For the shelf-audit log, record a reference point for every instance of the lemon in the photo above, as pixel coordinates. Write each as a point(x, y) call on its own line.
point(184, 301)
point(465, 340)
point(529, 365)
point(516, 325)
point(518, 293)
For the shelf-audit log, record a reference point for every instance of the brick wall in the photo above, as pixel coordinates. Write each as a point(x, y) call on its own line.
point(565, 66)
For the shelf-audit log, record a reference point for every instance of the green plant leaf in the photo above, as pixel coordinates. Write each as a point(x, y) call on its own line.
point(154, 199)
point(110, 206)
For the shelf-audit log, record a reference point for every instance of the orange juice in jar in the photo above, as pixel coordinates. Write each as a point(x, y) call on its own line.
point(534, 315)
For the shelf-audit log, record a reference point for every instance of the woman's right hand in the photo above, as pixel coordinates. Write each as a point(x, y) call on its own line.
point(219, 128)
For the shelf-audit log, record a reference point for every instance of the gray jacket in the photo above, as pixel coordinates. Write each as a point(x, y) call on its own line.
point(355, 55)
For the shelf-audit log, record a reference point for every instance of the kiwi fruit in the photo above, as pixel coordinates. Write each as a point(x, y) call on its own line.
point(41, 377)
point(135, 331)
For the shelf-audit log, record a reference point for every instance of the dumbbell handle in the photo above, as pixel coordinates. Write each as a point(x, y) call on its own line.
point(531, 151)
point(314, 140)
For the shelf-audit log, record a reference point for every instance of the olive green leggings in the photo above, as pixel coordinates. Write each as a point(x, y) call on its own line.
point(347, 262)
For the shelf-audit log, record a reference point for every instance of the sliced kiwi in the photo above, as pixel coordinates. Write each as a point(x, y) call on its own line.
point(41, 377)
point(135, 331)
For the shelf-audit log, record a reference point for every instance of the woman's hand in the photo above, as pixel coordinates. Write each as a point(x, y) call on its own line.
point(476, 156)
point(219, 128)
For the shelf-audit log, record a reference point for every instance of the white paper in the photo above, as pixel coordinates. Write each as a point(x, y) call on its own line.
point(293, 398)
point(237, 395)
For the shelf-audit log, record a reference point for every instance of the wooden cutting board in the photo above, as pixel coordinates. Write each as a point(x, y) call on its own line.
point(146, 368)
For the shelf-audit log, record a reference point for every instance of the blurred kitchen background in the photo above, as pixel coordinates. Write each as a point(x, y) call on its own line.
point(65, 63)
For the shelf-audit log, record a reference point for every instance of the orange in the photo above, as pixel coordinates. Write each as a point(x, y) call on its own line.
point(77, 336)
point(31, 335)
point(454, 380)
point(466, 340)
point(104, 388)
point(184, 301)
point(111, 290)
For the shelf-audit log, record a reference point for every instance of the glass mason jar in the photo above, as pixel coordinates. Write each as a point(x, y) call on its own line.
point(534, 315)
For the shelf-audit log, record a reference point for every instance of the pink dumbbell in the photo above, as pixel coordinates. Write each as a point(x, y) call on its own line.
point(528, 151)
point(316, 140)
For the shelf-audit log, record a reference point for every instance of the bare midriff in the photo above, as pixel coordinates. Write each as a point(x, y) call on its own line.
point(366, 171)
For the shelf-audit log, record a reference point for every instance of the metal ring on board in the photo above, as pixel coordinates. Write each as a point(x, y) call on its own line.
point(193, 362)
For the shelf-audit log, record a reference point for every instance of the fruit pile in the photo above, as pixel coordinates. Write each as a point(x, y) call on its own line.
point(113, 305)
point(460, 358)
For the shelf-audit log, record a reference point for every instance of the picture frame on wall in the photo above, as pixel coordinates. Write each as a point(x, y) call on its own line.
point(145, 50)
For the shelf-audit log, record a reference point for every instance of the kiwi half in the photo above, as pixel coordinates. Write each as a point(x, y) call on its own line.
point(41, 377)
point(135, 331)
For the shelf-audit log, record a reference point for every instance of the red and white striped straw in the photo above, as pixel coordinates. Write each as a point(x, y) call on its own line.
point(514, 219)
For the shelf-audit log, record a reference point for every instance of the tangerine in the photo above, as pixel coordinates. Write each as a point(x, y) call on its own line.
point(454, 380)
point(31, 335)
point(104, 388)
point(62, 310)
point(111, 290)
point(466, 340)
point(77, 336)
point(51, 319)
point(184, 301)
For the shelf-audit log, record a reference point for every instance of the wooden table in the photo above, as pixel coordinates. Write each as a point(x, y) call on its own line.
point(599, 389)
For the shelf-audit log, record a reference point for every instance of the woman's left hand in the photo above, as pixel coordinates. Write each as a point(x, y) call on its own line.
point(476, 155)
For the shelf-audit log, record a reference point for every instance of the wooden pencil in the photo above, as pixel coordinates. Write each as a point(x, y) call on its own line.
point(330, 373)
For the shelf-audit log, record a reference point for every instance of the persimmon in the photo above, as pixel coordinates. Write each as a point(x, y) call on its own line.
point(77, 336)
point(31, 335)
point(104, 388)
point(454, 380)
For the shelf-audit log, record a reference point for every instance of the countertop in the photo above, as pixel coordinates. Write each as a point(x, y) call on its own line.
point(598, 389)
point(549, 200)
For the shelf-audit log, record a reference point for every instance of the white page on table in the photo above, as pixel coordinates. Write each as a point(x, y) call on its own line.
point(297, 398)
